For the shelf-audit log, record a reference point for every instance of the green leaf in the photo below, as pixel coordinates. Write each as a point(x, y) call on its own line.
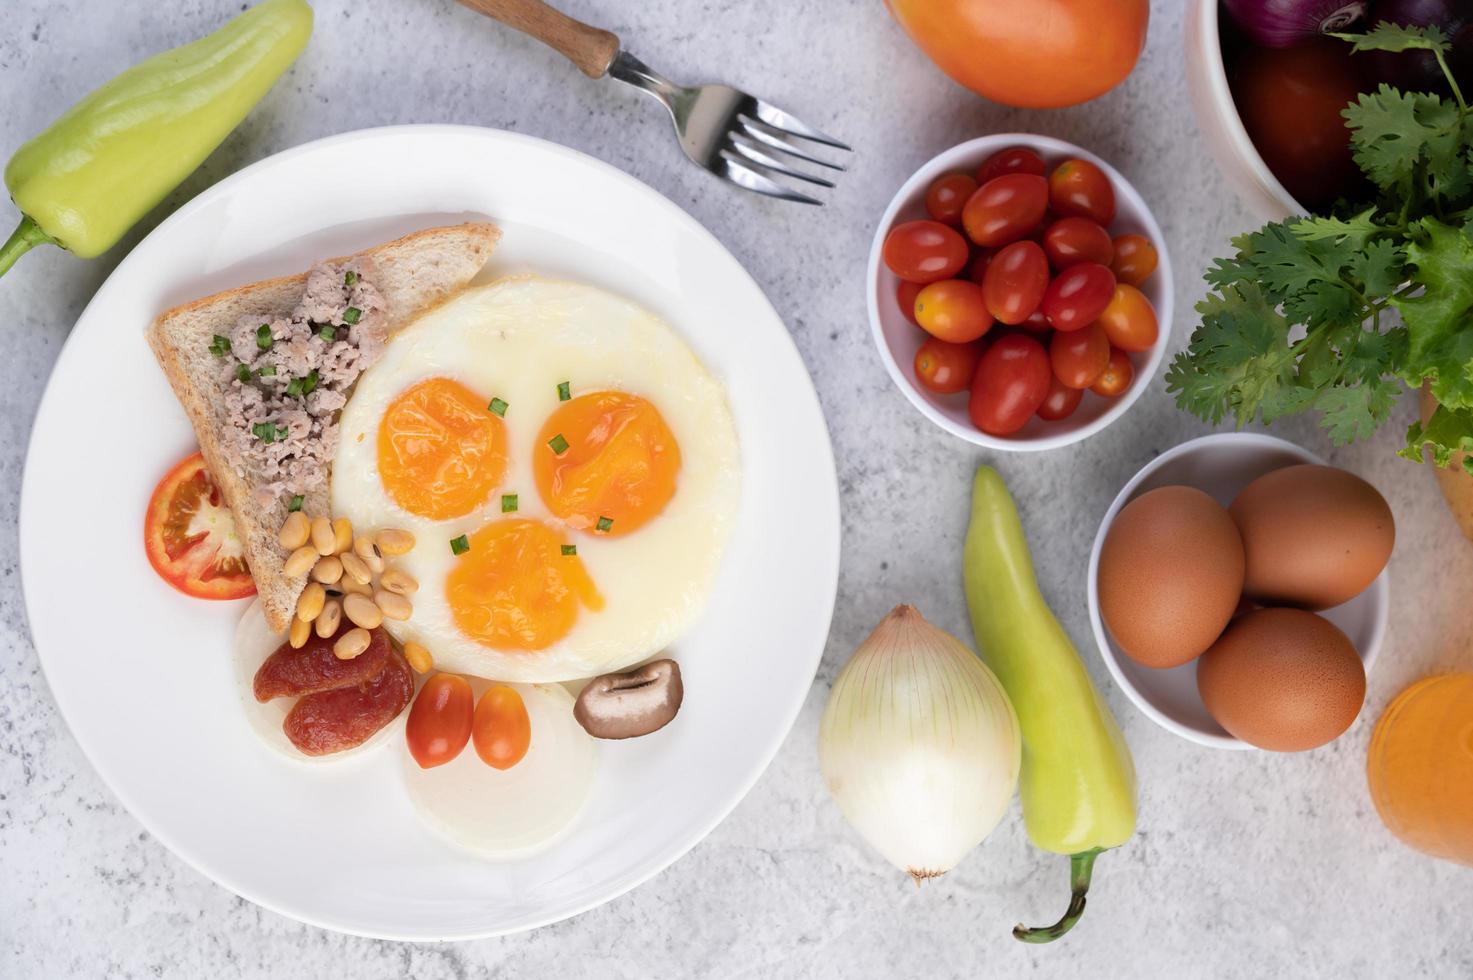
point(1439, 319)
point(1394, 133)
point(1380, 267)
point(1448, 431)
point(1387, 36)
point(1238, 360)
point(1351, 412)
point(1355, 231)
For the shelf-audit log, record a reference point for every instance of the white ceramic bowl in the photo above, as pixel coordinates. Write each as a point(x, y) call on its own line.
point(1220, 465)
point(898, 339)
point(1219, 122)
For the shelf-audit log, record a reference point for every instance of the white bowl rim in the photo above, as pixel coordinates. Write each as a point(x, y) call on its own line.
point(1380, 589)
point(953, 159)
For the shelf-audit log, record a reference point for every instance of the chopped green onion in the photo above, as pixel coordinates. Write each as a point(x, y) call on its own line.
point(352, 314)
point(268, 371)
point(220, 346)
point(570, 549)
point(350, 277)
point(508, 503)
point(327, 332)
point(242, 373)
point(269, 433)
point(294, 387)
point(564, 392)
point(296, 503)
point(309, 384)
point(497, 407)
point(558, 444)
point(460, 545)
point(603, 525)
point(263, 336)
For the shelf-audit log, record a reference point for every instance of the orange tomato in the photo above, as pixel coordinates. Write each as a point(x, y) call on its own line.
point(1037, 54)
point(190, 538)
point(439, 724)
point(501, 730)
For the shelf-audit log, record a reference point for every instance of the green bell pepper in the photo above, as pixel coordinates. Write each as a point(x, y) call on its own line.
point(94, 172)
point(1078, 779)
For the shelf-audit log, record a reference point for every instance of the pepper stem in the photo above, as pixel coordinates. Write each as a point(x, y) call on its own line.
point(1081, 866)
point(27, 236)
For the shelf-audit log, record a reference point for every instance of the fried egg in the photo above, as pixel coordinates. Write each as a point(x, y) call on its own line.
point(568, 467)
point(512, 813)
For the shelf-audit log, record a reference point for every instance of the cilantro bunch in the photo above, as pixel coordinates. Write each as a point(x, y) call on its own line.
point(1334, 314)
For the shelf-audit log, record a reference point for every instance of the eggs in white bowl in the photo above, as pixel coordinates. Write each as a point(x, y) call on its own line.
point(569, 469)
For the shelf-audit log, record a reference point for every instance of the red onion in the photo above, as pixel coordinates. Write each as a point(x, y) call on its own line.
point(1282, 23)
point(1418, 71)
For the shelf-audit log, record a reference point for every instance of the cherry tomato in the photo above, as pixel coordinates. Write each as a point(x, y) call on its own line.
point(977, 271)
point(1078, 295)
point(1011, 382)
point(1060, 402)
point(1130, 320)
point(501, 729)
point(1015, 281)
point(953, 310)
point(1036, 323)
point(1135, 259)
point(1005, 209)
point(924, 251)
point(947, 195)
point(1014, 160)
point(439, 723)
point(1070, 241)
point(1079, 358)
point(190, 538)
point(946, 368)
point(905, 298)
point(1079, 189)
point(1116, 376)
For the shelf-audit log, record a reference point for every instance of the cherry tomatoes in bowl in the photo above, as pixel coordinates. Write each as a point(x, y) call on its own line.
point(953, 310)
point(1011, 382)
point(947, 195)
point(1070, 241)
point(1079, 358)
point(1116, 377)
point(1134, 260)
point(1060, 402)
point(1079, 189)
point(946, 368)
point(1130, 320)
point(1005, 209)
point(1013, 160)
point(439, 724)
point(1015, 281)
point(1078, 296)
point(925, 251)
point(190, 538)
point(905, 298)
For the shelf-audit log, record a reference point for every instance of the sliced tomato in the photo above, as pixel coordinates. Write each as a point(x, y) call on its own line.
point(190, 537)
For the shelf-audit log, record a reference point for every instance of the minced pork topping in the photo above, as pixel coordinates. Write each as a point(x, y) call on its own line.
point(287, 378)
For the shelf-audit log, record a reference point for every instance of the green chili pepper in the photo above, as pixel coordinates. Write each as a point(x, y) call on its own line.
point(88, 178)
point(1078, 780)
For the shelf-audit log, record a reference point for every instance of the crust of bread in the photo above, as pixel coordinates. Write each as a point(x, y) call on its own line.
point(415, 273)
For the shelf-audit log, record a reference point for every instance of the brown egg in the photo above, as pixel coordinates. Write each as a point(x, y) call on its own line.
point(1282, 679)
point(1314, 536)
point(1171, 575)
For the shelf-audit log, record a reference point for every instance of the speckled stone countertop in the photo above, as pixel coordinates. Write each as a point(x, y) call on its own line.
point(1246, 864)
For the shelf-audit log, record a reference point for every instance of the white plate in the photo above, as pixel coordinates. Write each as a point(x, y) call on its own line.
point(144, 677)
point(1220, 465)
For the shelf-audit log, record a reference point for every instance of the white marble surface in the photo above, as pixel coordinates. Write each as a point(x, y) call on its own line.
point(1246, 865)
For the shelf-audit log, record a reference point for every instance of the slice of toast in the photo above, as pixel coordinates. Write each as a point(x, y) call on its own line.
point(414, 273)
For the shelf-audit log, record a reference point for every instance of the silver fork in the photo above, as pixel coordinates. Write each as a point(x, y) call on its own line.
point(732, 134)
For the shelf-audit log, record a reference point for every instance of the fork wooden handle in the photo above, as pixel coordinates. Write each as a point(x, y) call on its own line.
point(590, 48)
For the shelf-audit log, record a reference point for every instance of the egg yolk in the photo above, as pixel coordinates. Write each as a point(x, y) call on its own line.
point(606, 462)
point(515, 589)
point(441, 451)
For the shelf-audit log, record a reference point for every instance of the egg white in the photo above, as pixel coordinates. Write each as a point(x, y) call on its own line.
point(517, 339)
point(513, 813)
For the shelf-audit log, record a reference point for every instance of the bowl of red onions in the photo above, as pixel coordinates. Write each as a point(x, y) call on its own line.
point(1269, 79)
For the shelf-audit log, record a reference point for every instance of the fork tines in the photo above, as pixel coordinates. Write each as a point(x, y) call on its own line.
point(763, 143)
